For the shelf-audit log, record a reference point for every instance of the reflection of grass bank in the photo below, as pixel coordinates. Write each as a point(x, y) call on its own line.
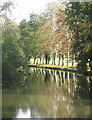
point(60, 67)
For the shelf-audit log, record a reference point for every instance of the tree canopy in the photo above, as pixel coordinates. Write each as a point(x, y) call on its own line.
point(62, 30)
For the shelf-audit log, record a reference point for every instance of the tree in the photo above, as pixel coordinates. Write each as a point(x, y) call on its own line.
point(47, 32)
point(25, 38)
point(78, 18)
point(5, 10)
point(30, 40)
point(61, 42)
point(13, 59)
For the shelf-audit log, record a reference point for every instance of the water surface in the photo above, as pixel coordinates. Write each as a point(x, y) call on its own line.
point(48, 94)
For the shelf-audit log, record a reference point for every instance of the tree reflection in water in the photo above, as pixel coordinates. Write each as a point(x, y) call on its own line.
point(49, 93)
point(47, 77)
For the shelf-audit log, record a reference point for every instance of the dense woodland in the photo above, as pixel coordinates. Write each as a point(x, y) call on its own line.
point(61, 30)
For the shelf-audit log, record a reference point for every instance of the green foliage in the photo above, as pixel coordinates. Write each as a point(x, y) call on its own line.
point(34, 22)
point(79, 20)
point(30, 40)
point(13, 59)
point(78, 17)
point(25, 39)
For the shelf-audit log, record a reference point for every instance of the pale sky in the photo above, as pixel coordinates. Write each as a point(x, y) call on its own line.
point(24, 7)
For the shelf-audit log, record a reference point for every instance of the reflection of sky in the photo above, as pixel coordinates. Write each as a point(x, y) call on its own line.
point(23, 114)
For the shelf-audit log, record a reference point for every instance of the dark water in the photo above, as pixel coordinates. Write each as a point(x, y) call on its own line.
point(48, 94)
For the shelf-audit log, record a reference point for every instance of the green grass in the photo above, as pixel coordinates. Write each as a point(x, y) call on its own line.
point(54, 67)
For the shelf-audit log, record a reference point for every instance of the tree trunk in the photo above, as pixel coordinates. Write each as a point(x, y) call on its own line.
point(48, 61)
point(73, 57)
point(43, 61)
point(67, 58)
point(40, 60)
point(37, 61)
point(54, 58)
point(34, 59)
point(72, 60)
point(62, 60)
point(46, 58)
point(59, 60)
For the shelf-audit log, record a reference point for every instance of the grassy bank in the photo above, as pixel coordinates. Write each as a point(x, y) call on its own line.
point(54, 67)
point(60, 67)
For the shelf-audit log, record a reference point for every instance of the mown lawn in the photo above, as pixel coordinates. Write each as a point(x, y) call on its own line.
point(54, 66)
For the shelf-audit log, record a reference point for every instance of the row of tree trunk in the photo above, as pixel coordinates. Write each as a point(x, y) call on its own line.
point(61, 59)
